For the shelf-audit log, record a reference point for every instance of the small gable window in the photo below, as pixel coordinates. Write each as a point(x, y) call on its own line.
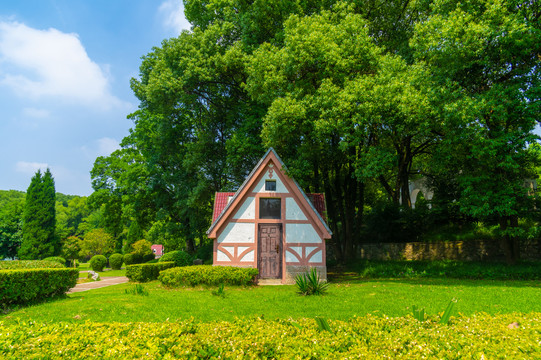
point(270, 208)
point(270, 185)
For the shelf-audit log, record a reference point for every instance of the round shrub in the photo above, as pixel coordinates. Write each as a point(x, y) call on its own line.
point(132, 258)
point(58, 259)
point(98, 262)
point(115, 261)
point(181, 258)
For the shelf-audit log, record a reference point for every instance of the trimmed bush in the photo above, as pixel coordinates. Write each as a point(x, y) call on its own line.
point(31, 285)
point(369, 337)
point(30, 264)
point(58, 259)
point(181, 258)
point(146, 272)
point(115, 261)
point(132, 258)
point(208, 275)
point(98, 262)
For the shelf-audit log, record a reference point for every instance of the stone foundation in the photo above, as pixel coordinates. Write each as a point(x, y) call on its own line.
point(293, 271)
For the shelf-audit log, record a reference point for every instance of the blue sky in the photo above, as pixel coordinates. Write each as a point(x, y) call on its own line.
point(65, 68)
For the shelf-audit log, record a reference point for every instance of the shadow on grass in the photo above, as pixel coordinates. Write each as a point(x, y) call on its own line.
point(439, 273)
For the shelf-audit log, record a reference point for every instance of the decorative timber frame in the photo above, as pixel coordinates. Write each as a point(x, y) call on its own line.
point(303, 230)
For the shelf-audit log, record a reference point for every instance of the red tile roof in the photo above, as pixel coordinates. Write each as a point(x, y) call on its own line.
point(222, 198)
point(318, 200)
point(220, 202)
point(157, 249)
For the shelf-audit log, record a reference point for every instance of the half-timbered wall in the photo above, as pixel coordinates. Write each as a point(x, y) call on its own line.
point(302, 246)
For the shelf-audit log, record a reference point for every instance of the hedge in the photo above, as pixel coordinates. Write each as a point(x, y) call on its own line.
point(32, 285)
point(370, 337)
point(146, 272)
point(59, 259)
point(181, 258)
point(30, 264)
point(208, 275)
point(374, 269)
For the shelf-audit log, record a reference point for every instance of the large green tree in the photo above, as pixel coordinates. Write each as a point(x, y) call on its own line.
point(485, 54)
point(11, 227)
point(39, 219)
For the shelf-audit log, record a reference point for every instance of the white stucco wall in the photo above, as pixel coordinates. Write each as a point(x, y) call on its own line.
point(247, 210)
point(293, 211)
point(221, 256)
point(248, 257)
point(317, 257)
point(301, 233)
point(237, 233)
point(280, 187)
point(290, 257)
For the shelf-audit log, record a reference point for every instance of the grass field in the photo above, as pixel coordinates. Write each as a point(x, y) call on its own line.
point(107, 273)
point(367, 318)
point(344, 300)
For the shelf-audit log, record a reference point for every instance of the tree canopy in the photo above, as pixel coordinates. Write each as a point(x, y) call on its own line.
point(358, 98)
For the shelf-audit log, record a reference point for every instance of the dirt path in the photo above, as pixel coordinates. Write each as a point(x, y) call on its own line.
point(105, 281)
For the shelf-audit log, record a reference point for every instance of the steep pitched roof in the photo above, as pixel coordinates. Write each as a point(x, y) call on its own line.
point(222, 199)
point(270, 155)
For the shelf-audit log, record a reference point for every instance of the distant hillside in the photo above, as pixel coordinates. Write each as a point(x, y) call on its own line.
point(9, 196)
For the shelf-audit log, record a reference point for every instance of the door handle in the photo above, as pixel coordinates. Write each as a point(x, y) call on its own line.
point(277, 249)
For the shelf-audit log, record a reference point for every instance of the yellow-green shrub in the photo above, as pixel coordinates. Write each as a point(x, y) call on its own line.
point(146, 272)
point(31, 285)
point(30, 264)
point(370, 337)
point(208, 275)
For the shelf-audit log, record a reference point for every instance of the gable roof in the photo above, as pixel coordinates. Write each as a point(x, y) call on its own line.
point(271, 155)
point(222, 199)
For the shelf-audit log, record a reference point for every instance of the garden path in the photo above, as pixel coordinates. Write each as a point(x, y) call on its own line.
point(105, 281)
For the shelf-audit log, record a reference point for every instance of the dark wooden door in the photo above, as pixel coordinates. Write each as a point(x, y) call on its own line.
point(270, 251)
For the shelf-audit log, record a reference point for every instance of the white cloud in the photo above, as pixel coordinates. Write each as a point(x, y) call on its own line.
point(107, 145)
point(50, 63)
point(101, 147)
point(36, 113)
point(30, 168)
point(172, 12)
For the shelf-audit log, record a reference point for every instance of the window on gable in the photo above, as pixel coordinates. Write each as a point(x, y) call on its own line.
point(270, 208)
point(270, 185)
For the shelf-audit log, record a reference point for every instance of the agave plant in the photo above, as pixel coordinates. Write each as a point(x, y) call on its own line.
point(310, 283)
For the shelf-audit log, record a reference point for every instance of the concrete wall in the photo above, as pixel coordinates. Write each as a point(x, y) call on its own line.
point(475, 250)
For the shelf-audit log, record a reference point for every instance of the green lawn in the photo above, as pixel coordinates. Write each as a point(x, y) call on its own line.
point(107, 273)
point(344, 300)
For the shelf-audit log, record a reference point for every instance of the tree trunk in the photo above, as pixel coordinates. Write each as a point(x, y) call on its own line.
point(350, 187)
point(509, 244)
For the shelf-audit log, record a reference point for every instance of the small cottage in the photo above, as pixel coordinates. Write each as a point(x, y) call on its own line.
point(270, 224)
point(157, 250)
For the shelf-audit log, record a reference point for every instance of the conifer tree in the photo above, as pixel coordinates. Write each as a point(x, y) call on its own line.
point(39, 219)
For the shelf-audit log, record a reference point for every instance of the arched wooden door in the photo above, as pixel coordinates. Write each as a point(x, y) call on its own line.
point(270, 251)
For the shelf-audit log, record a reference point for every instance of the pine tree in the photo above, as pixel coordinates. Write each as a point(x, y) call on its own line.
point(39, 219)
